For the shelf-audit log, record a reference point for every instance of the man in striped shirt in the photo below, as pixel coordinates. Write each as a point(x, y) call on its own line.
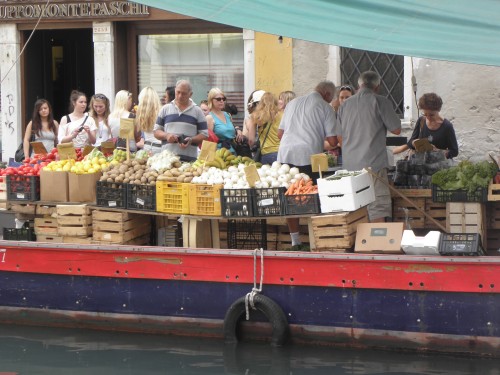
point(181, 125)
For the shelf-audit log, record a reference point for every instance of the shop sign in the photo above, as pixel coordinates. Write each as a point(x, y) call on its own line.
point(29, 10)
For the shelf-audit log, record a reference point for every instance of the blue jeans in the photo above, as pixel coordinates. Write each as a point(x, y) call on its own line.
point(269, 158)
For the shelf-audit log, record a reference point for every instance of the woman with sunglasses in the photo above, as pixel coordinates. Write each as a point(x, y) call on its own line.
point(77, 127)
point(219, 121)
point(99, 111)
point(41, 128)
point(145, 118)
point(344, 92)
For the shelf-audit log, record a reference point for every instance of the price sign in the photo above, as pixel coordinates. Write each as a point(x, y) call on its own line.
point(251, 175)
point(87, 150)
point(127, 128)
point(66, 151)
point(107, 147)
point(319, 162)
point(38, 148)
point(207, 152)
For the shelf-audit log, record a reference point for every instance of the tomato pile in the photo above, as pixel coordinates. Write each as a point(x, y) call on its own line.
point(33, 166)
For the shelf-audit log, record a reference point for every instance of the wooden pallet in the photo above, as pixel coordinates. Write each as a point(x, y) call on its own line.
point(118, 227)
point(46, 226)
point(416, 218)
point(74, 220)
point(437, 211)
point(336, 232)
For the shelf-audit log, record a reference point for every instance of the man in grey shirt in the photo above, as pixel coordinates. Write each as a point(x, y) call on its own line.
point(364, 120)
point(307, 122)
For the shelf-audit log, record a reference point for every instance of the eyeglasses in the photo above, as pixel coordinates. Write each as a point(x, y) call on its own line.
point(100, 97)
point(220, 99)
point(346, 87)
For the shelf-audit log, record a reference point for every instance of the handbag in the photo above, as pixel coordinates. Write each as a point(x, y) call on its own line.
point(257, 156)
point(19, 155)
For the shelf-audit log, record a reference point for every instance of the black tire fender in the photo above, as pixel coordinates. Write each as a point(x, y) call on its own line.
point(269, 308)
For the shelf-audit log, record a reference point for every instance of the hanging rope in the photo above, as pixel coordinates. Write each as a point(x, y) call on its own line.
point(249, 298)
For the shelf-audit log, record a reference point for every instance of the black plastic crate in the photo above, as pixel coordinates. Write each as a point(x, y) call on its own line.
point(269, 202)
point(246, 234)
point(111, 194)
point(461, 244)
point(237, 202)
point(141, 197)
point(302, 204)
point(439, 195)
point(23, 188)
point(19, 234)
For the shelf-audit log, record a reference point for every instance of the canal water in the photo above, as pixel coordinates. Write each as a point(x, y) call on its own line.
point(34, 350)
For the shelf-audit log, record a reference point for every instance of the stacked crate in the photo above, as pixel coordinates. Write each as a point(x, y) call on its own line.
point(278, 234)
point(74, 223)
point(122, 228)
point(46, 229)
point(336, 233)
point(467, 218)
point(403, 211)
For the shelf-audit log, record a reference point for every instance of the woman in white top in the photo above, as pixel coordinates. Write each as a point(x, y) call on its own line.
point(77, 127)
point(99, 111)
point(42, 126)
point(145, 118)
point(121, 109)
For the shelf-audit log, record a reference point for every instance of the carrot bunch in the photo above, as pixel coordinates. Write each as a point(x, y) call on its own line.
point(301, 186)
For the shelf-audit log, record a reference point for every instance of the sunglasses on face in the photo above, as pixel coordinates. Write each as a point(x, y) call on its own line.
point(220, 99)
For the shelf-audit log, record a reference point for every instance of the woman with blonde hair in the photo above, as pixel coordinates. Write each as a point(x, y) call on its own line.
point(219, 121)
point(266, 118)
point(145, 118)
point(284, 98)
point(121, 109)
point(99, 111)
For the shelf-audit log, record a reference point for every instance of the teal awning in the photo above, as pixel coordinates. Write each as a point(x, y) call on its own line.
point(453, 30)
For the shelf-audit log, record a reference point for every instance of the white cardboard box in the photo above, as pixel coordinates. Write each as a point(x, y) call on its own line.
point(428, 245)
point(345, 185)
point(346, 194)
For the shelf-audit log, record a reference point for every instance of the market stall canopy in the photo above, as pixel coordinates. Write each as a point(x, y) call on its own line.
point(453, 30)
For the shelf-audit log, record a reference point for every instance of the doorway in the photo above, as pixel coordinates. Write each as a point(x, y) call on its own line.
point(55, 63)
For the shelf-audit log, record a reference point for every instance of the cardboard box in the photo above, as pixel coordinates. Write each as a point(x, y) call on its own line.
point(379, 238)
point(82, 187)
point(54, 186)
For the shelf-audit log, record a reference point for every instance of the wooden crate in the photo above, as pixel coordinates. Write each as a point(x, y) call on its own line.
point(143, 240)
point(278, 237)
point(336, 232)
point(48, 238)
point(22, 208)
point(401, 208)
point(467, 218)
point(437, 211)
point(118, 227)
point(493, 215)
point(46, 226)
point(46, 210)
point(493, 192)
point(413, 193)
point(493, 242)
point(77, 239)
point(74, 220)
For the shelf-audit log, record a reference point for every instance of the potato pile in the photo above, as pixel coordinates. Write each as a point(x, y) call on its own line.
point(137, 172)
point(130, 172)
point(183, 174)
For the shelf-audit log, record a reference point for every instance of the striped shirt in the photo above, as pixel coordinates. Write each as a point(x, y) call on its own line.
point(189, 123)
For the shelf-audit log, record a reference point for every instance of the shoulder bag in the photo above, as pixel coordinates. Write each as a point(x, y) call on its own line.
point(19, 155)
point(258, 152)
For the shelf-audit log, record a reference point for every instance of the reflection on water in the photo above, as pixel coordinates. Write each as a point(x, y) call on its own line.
point(34, 350)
